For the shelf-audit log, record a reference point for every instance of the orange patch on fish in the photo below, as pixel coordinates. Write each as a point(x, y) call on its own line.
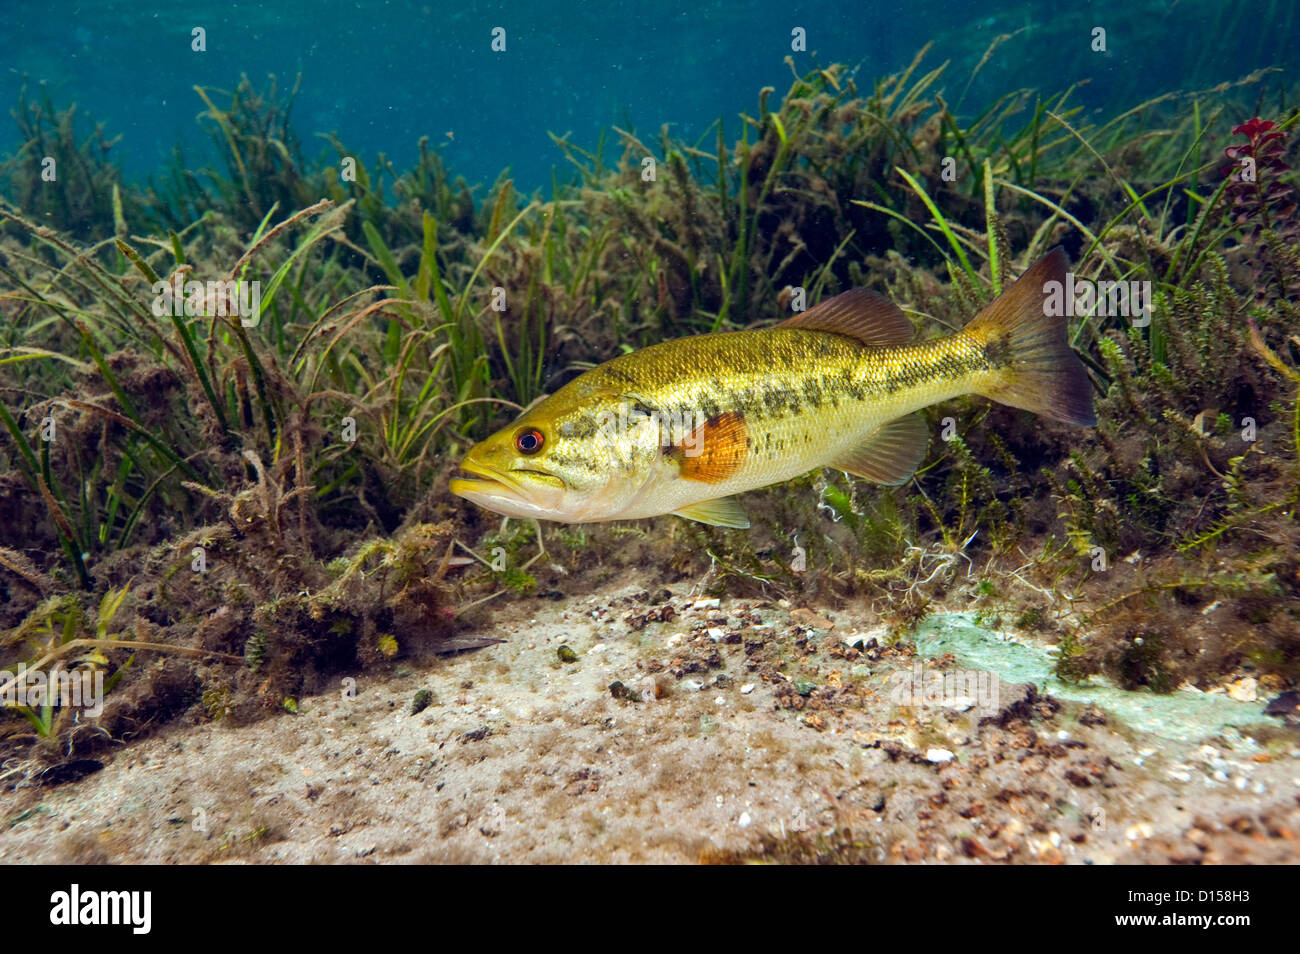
point(721, 445)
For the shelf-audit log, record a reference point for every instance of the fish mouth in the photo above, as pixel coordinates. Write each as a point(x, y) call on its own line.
point(494, 483)
point(484, 480)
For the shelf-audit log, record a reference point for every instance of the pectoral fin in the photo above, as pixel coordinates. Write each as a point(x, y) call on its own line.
point(722, 512)
point(890, 454)
point(713, 451)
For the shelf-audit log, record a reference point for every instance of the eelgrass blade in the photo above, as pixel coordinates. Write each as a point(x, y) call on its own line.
point(942, 223)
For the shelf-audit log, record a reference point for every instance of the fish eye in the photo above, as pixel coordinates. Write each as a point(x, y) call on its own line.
point(529, 440)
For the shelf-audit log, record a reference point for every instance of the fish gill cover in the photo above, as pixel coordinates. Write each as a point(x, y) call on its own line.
point(243, 352)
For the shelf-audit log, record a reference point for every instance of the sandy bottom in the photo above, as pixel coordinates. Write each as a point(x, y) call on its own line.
point(736, 730)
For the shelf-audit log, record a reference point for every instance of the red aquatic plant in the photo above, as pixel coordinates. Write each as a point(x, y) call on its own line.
point(1261, 203)
point(1256, 191)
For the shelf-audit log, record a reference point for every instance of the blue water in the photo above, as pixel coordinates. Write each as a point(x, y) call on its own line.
point(383, 74)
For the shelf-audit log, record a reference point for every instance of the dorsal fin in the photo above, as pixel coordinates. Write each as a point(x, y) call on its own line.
point(866, 317)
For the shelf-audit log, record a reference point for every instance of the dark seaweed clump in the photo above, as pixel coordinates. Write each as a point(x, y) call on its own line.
point(222, 513)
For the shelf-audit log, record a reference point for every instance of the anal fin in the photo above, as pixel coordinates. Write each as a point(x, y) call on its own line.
point(890, 454)
point(720, 512)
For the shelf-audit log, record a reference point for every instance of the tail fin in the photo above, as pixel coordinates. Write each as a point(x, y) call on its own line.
point(1034, 367)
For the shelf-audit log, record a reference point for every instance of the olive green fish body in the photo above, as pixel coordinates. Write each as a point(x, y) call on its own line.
point(681, 426)
point(806, 398)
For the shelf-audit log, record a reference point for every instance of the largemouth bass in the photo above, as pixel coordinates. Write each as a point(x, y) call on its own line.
point(681, 426)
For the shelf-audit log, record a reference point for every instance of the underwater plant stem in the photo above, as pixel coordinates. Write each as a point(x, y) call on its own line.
point(990, 215)
point(93, 643)
point(942, 223)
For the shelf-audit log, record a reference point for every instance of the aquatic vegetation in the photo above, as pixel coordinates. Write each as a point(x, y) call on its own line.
point(302, 445)
point(52, 633)
point(91, 197)
point(147, 435)
point(261, 152)
point(1264, 205)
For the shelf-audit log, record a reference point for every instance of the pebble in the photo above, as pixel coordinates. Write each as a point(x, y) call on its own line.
point(1244, 690)
point(744, 821)
point(706, 604)
point(747, 688)
point(812, 620)
point(692, 685)
point(675, 638)
point(716, 634)
point(938, 755)
point(598, 648)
